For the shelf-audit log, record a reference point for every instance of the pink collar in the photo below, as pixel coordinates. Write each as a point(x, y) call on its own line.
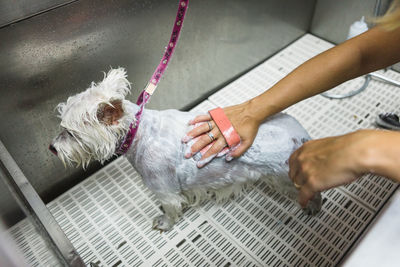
point(151, 86)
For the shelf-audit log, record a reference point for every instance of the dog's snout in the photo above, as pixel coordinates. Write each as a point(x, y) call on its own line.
point(53, 149)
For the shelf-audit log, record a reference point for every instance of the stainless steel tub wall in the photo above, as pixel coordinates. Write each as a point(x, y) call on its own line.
point(331, 23)
point(332, 18)
point(49, 57)
point(16, 10)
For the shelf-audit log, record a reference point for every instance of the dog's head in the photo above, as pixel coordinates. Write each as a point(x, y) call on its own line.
point(93, 122)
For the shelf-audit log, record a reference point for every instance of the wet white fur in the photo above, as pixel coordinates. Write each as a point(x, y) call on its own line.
point(158, 153)
point(94, 140)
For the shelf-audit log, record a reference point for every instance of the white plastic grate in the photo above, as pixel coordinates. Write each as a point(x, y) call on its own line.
point(275, 231)
point(203, 107)
point(32, 245)
point(108, 216)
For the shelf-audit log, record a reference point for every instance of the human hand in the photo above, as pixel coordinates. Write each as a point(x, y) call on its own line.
point(245, 125)
point(329, 162)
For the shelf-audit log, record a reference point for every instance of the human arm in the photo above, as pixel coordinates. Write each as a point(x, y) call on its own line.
point(329, 162)
point(370, 51)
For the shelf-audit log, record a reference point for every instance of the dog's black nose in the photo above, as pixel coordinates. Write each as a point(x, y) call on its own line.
point(53, 149)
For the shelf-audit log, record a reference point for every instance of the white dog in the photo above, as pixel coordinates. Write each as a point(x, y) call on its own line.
point(95, 122)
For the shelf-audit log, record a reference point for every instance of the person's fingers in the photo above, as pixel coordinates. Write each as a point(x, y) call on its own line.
point(204, 140)
point(237, 151)
point(223, 152)
point(201, 163)
point(299, 180)
point(200, 118)
point(294, 167)
point(217, 147)
point(203, 128)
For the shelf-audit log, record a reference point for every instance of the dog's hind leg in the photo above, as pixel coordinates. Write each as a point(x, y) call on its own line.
point(172, 206)
point(314, 205)
point(285, 186)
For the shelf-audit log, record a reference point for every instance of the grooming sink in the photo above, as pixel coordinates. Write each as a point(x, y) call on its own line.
point(108, 216)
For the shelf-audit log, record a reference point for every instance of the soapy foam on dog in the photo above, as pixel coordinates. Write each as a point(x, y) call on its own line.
point(158, 153)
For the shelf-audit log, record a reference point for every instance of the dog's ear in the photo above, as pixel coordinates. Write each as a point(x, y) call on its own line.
point(115, 84)
point(110, 114)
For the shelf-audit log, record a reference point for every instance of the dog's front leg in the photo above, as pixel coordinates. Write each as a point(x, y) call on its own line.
point(172, 206)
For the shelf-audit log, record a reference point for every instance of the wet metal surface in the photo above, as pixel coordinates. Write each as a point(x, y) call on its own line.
point(34, 208)
point(16, 10)
point(332, 18)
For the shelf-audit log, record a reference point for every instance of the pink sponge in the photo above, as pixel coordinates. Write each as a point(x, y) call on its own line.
point(232, 138)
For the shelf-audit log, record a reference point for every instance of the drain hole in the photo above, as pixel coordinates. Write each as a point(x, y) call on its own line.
point(120, 245)
point(180, 243)
point(348, 204)
point(324, 200)
point(203, 223)
point(195, 239)
point(377, 104)
point(288, 220)
point(227, 264)
point(366, 116)
point(117, 263)
point(360, 121)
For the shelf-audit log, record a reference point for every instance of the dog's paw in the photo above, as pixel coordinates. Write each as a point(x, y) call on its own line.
point(314, 205)
point(162, 223)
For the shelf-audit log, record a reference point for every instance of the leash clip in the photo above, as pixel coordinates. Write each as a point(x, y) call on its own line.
point(150, 88)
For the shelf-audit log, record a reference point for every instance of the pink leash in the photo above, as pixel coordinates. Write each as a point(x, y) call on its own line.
point(151, 86)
